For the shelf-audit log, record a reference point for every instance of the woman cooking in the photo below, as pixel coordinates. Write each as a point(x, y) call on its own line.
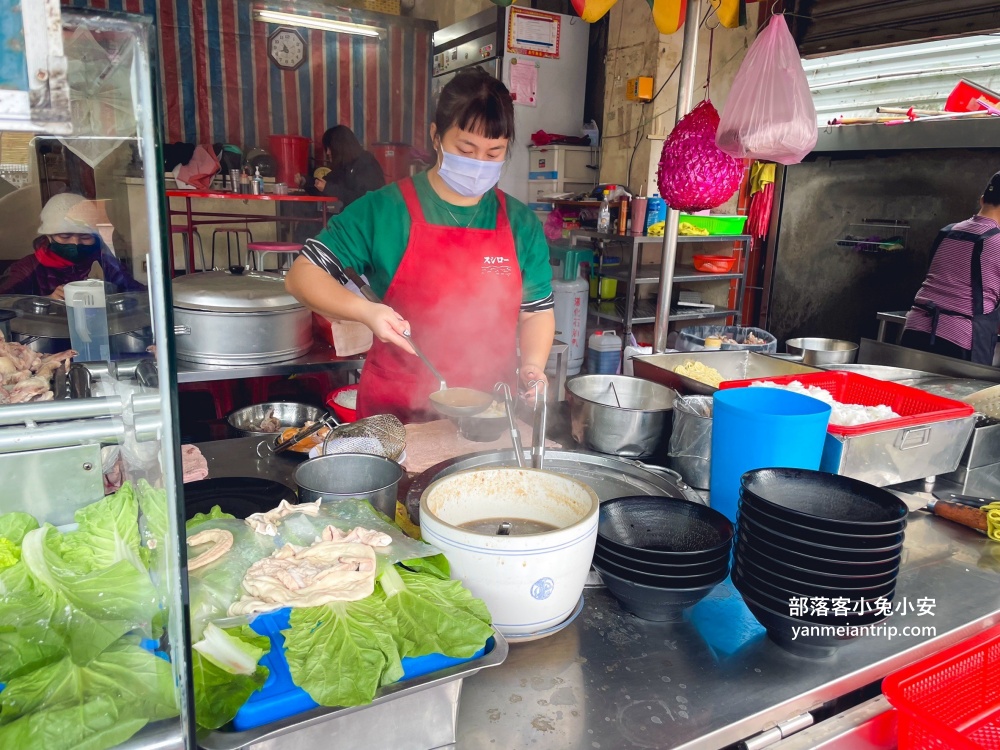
point(458, 264)
point(957, 310)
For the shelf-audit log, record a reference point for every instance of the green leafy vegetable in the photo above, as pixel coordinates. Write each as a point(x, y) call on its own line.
point(220, 692)
point(10, 553)
point(97, 705)
point(338, 653)
point(435, 565)
point(434, 616)
point(199, 518)
point(14, 526)
point(108, 533)
point(154, 523)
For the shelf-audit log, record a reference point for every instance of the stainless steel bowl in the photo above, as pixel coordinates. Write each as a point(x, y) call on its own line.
point(818, 351)
point(246, 420)
point(342, 476)
point(620, 415)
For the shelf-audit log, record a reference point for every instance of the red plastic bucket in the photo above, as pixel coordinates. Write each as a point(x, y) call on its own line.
point(394, 158)
point(291, 152)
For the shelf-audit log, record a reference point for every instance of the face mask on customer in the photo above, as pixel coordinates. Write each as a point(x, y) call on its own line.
point(467, 176)
point(75, 253)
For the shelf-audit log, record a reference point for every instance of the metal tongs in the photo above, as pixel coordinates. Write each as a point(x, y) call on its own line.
point(325, 421)
point(540, 426)
point(515, 434)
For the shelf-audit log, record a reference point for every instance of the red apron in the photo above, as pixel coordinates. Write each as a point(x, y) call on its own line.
point(460, 290)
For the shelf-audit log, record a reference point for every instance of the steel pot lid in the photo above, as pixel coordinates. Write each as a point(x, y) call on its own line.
point(46, 317)
point(223, 291)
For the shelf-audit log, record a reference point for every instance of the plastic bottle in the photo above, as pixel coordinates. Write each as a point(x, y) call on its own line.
point(604, 353)
point(245, 182)
point(591, 130)
point(258, 182)
point(604, 214)
point(571, 314)
point(656, 211)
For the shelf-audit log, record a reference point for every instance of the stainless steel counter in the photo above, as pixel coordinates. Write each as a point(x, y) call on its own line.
point(612, 681)
point(320, 357)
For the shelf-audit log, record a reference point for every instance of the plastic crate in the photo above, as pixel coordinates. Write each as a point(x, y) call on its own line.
point(281, 697)
point(951, 699)
point(721, 225)
point(914, 406)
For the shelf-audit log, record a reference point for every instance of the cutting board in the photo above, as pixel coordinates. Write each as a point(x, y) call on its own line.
point(430, 443)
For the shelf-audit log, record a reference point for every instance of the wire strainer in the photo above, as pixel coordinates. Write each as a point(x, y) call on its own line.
point(379, 435)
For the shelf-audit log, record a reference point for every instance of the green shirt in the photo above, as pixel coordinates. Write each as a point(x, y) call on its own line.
point(371, 235)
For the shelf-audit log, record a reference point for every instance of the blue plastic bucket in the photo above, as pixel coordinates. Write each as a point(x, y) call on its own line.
point(759, 428)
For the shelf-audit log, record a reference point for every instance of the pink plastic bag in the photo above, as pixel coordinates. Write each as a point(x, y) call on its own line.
point(769, 114)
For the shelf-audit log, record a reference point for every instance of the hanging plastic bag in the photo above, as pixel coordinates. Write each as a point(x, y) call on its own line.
point(693, 173)
point(769, 114)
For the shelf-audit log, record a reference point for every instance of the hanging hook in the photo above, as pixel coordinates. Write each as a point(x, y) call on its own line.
point(775, 4)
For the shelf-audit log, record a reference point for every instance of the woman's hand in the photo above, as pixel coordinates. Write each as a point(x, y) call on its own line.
point(59, 292)
point(387, 325)
point(319, 184)
point(531, 374)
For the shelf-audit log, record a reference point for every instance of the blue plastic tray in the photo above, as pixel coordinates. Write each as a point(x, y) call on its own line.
point(281, 698)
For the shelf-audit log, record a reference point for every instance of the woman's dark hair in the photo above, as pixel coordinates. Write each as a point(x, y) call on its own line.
point(991, 195)
point(342, 145)
point(476, 101)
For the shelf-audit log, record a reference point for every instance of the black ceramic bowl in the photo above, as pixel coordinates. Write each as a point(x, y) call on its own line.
point(830, 586)
point(720, 571)
point(857, 574)
point(782, 603)
point(825, 501)
point(783, 588)
point(664, 569)
point(663, 530)
point(482, 429)
point(861, 540)
point(650, 603)
point(237, 496)
point(817, 560)
point(781, 630)
point(848, 554)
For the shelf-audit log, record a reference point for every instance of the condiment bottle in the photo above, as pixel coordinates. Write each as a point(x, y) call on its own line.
point(258, 182)
point(604, 214)
point(244, 183)
point(623, 217)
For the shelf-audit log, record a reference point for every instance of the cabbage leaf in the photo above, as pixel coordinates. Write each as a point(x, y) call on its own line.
point(219, 692)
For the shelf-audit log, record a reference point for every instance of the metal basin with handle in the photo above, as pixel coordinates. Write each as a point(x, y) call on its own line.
point(619, 415)
point(818, 351)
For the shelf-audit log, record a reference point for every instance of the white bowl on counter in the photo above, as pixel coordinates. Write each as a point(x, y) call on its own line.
point(529, 581)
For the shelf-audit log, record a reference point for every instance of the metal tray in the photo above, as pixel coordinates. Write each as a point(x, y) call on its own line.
point(417, 714)
point(731, 365)
point(608, 476)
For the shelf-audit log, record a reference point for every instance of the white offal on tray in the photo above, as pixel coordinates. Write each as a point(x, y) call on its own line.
point(842, 415)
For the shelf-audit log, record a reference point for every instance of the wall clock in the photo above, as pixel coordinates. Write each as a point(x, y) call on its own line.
point(287, 48)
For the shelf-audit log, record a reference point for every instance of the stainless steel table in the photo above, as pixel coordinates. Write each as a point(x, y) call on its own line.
point(884, 318)
point(320, 357)
point(613, 681)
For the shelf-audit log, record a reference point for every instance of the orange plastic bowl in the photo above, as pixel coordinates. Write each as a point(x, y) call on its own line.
point(344, 413)
point(714, 263)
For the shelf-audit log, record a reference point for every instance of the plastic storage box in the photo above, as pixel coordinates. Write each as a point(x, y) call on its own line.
point(721, 225)
point(950, 700)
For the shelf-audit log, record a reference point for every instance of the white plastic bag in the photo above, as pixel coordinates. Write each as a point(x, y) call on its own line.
point(770, 114)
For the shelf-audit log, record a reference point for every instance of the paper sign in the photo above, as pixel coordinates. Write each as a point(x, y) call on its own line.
point(532, 32)
point(524, 83)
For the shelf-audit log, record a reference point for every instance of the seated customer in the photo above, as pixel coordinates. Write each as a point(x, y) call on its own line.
point(353, 171)
point(65, 250)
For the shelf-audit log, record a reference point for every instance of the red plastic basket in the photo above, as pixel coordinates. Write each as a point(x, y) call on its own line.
point(713, 263)
point(951, 699)
point(344, 413)
point(915, 407)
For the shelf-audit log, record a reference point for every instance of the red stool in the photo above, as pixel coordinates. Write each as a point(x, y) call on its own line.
point(283, 250)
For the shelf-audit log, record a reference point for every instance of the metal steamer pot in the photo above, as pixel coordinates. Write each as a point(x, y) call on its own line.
point(620, 415)
point(42, 323)
point(237, 318)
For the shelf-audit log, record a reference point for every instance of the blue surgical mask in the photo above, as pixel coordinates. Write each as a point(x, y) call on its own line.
point(466, 176)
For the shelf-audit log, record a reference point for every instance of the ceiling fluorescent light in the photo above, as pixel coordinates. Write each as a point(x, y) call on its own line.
point(323, 24)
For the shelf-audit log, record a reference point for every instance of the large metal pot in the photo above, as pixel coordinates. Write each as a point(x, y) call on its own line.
point(817, 351)
point(42, 324)
point(343, 476)
point(619, 415)
point(224, 318)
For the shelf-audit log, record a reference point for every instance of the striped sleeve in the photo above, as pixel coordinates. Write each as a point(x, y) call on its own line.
point(320, 255)
point(540, 305)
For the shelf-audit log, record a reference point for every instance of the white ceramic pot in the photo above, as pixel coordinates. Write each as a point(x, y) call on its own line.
point(529, 582)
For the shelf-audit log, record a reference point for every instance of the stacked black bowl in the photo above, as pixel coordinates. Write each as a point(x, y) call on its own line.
point(660, 555)
point(816, 549)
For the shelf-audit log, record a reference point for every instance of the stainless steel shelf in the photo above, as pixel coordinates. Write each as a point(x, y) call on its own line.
point(682, 273)
point(645, 313)
point(683, 239)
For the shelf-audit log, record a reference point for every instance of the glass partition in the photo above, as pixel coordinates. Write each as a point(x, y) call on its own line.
point(93, 633)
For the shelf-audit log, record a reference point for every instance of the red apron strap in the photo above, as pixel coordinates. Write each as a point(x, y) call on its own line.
point(409, 191)
point(503, 223)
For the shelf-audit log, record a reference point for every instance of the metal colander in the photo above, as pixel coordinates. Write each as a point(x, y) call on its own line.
point(379, 435)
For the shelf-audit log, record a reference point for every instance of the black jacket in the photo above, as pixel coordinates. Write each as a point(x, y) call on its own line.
point(350, 181)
